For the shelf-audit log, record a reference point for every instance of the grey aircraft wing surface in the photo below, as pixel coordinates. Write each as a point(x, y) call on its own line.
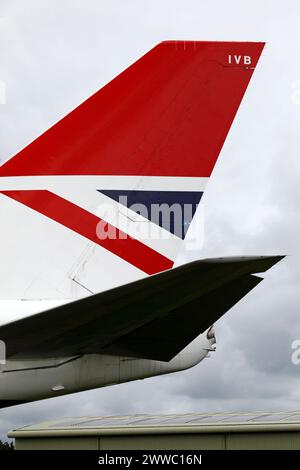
point(153, 318)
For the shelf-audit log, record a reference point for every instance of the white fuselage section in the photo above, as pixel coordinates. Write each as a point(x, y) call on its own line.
point(29, 380)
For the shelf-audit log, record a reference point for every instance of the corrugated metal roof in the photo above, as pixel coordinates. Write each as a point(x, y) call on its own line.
point(162, 420)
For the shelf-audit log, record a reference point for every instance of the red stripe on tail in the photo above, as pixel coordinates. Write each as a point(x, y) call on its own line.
point(84, 223)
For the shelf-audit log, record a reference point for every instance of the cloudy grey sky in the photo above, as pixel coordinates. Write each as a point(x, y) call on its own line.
point(55, 53)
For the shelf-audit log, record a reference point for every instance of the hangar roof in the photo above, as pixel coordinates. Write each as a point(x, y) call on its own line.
point(162, 423)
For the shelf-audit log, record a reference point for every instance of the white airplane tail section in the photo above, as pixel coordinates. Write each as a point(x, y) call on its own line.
point(106, 196)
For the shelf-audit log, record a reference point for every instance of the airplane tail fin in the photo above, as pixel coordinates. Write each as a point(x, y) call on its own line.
point(113, 186)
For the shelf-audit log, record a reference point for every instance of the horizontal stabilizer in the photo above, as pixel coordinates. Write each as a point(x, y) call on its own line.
point(153, 318)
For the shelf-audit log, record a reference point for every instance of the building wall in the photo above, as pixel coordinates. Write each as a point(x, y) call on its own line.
point(201, 441)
